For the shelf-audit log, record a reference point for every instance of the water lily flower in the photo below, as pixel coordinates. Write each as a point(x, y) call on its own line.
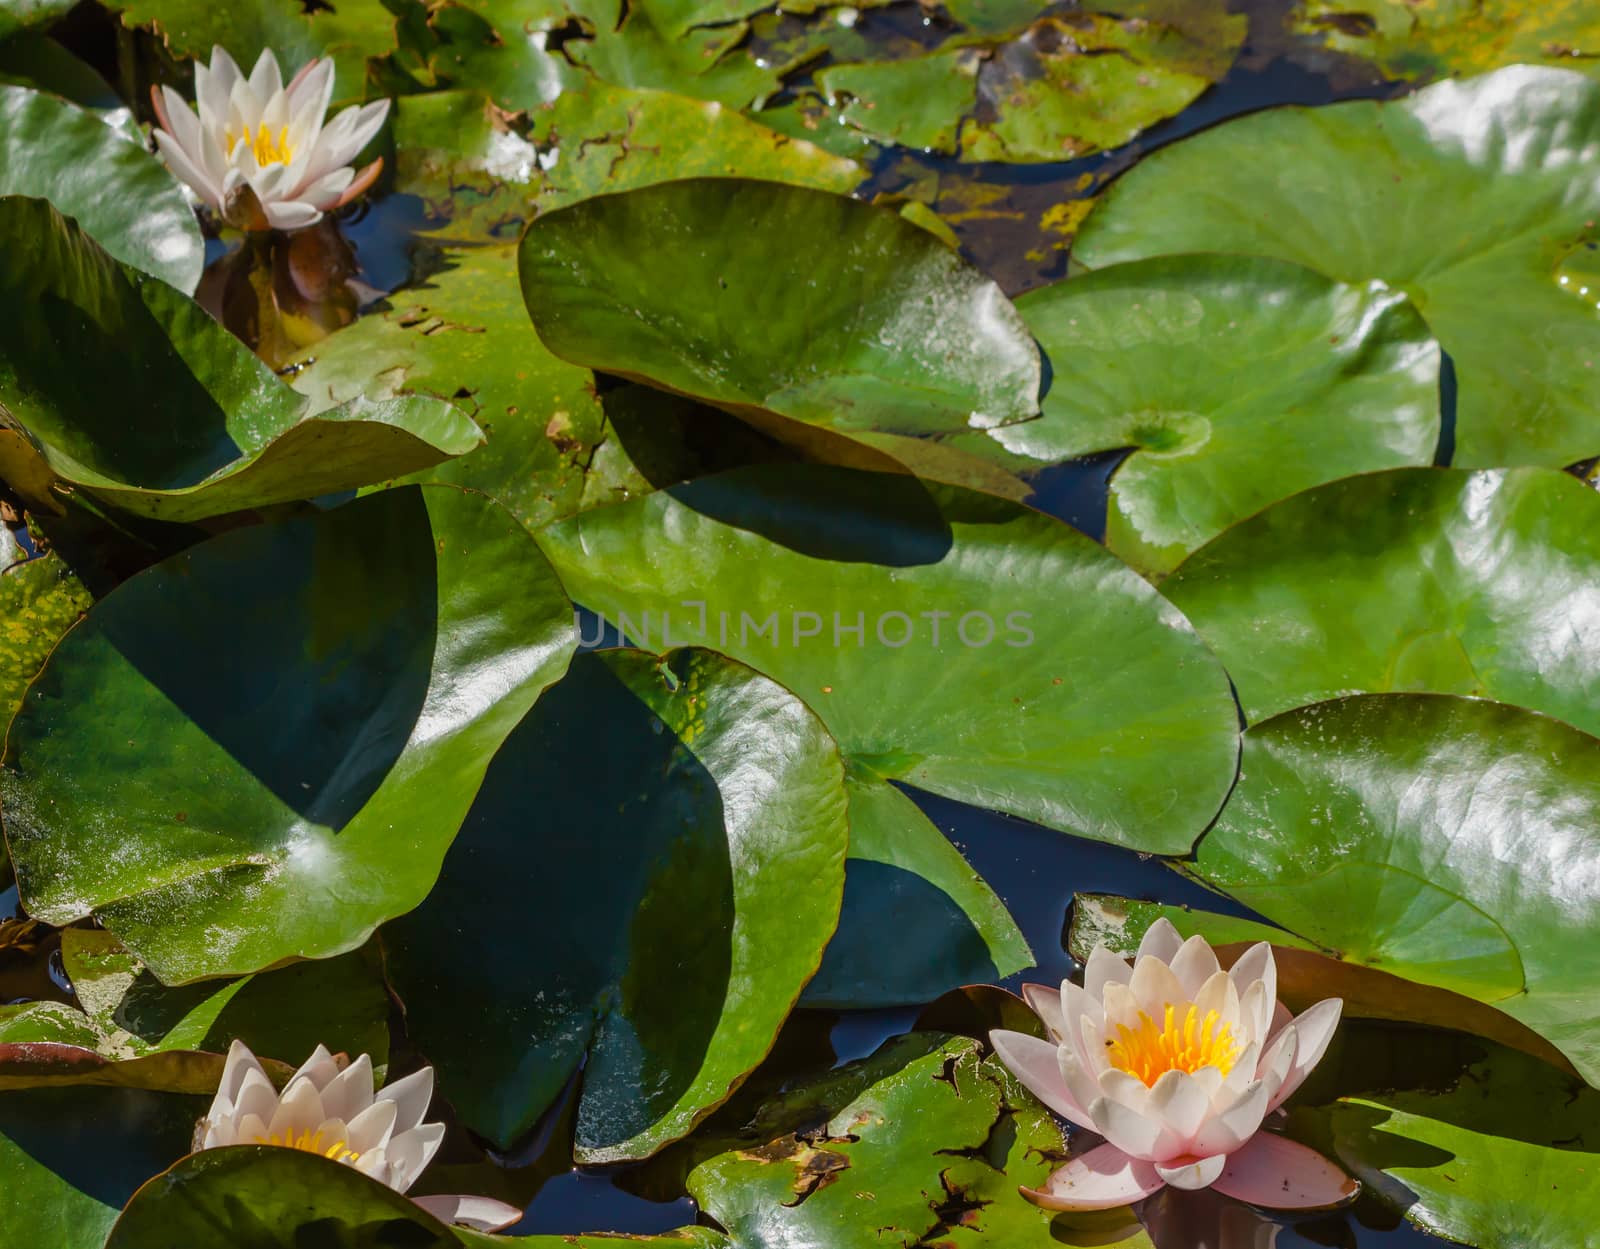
point(257, 151)
point(330, 1107)
point(1176, 1063)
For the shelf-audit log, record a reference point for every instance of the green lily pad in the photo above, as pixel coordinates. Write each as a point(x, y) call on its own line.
point(39, 601)
point(111, 186)
point(914, 103)
point(498, 47)
point(917, 920)
point(1381, 826)
point(684, 820)
point(1307, 973)
point(1502, 266)
point(70, 1159)
point(1319, 596)
point(923, 1143)
point(177, 419)
point(1507, 1157)
point(348, 32)
point(261, 748)
point(16, 15)
point(902, 337)
point(1441, 38)
point(30, 59)
point(1059, 686)
point(1150, 355)
point(132, 1031)
point(272, 1198)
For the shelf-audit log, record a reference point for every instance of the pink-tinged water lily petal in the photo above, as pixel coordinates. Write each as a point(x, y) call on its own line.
point(1122, 1009)
point(1037, 1065)
point(1045, 1002)
point(320, 1069)
point(290, 216)
point(1243, 1072)
point(1078, 1004)
point(1276, 1061)
point(187, 171)
point(350, 1092)
point(1282, 1017)
point(256, 1097)
point(361, 182)
point(1137, 1135)
point(1093, 1047)
point(375, 1163)
point(483, 1214)
point(1194, 964)
point(1182, 1102)
point(1191, 1173)
point(1209, 1079)
point(1155, 987)
point(1314, 1029)
point(1280, 1174)
point(1219, 994)
point(312, 87)
point(250, 1130)
point(213, 86)
point(373, 1127)
point(299, 1109)
point(326, 191)
point(411, 1097)
point(1255, 1012)
point(1104, 968)
point(1161, 940)
point(1232, 1124)
point(239, 1064)
point(343, 139)
point(1081, 1084)
point(1102, 1179)
point(1254, 964)
point(411, 1152)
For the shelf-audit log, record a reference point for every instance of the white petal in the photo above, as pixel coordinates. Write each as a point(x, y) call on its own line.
point(1101, 1179)
point(1104, 968)
point(1255, 1012)
point(1218, 994)
point(1119, 1086)
point(266, 80)
point(290, 215)
point(1037, 1065)
point(1233, 1124)
point(299, 1110)
point(1314, 1028)
point(250, 1130)
point(1131, 1132)
point(1243, 1071)
point(1155, 987)
point(1161, 940)
point(1182, 1102)
point(1092, 1045)
point(1194, 964)
point(324, 193)
point(185, 168)
point(312, 87)
point(320, 1068)
point(349, 1092)
point(256, 1097)
point(239, 1064)
point(1044, 1002)
point(373, 1127)
point(411, 1097)
point(1193, 1173)
point(346, 135)
point(1275, 1064)
point(485, 1214)
point(374, 1163)
point(1254, 964)
point(410, 1154)
point(1121, 1007)
point(1081, 1083)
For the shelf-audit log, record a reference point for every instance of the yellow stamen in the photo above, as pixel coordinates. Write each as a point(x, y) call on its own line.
point(311, 1142)
point(1147, 1053)
point(268, 149)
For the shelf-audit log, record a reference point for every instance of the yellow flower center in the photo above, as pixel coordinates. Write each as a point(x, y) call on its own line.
point(270, 149)
point(311, 1142)
point(1147, 1052)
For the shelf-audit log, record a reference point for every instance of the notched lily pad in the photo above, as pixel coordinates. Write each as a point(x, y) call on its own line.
point(109, 184)
point(902, 337)
point(39, 601)
point(684, 821)
point(262, 747)
point(176, 419)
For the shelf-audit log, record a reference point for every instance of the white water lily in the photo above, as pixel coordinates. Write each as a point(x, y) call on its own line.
point(257, 150)
point(1176, 1063)
point(330, 1107)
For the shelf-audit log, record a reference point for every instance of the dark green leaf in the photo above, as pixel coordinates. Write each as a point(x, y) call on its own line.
point(666, 840)
point(39, 601)
point(262, 747)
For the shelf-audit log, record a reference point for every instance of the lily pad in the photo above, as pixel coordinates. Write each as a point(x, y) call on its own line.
point(917, 920)
point(18, 15)
point(261, 748)
point(70, 1159)
point(1501, 265)
point(272, 1198)
point(1506, 1157)
point(111, 186)
point(39, 601)
point(348, 31)
point(902, 337)
point(1441, 38)
point(1149, 355)
point(923, 1143)
point(915, 103)
point(1307, 973)
point(1002, 658)
point(1381, 826)
point(683, 820)
point(177, 419)
point(30, 59)
point(1319, 596)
